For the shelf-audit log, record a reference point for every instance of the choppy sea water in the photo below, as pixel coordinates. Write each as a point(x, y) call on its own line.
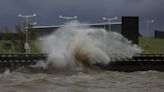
point(90, 80)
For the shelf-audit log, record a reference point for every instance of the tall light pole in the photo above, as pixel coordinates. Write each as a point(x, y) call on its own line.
point(67, 18)
point(109, 21)
point(29, 33)
point(147, 34)
point(26, 44)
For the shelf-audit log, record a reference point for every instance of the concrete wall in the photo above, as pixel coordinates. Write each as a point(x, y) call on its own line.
point(159, 34)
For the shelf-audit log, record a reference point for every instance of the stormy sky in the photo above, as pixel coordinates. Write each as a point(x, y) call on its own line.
point(89, 11)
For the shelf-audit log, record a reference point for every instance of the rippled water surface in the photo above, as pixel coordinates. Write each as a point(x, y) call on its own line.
point(90, 80)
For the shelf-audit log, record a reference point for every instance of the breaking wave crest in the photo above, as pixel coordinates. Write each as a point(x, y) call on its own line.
point(74, 45)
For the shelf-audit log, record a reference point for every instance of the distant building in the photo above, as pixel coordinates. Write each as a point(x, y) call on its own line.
point(128, 27)
point(45, 30)
point(159, 34)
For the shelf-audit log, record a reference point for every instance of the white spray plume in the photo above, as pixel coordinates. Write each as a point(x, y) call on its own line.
point(75, 43)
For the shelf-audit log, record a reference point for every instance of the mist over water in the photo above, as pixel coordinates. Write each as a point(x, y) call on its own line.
point(75, 44)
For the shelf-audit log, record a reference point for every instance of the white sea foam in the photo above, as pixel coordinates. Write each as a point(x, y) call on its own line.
point(75, 44)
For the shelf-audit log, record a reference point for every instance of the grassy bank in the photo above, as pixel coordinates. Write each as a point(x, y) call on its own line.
point(155, 46)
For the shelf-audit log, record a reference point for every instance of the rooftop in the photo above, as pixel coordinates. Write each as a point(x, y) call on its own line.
point(93, 24)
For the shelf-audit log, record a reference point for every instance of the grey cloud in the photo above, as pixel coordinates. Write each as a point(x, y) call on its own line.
point(86, 10)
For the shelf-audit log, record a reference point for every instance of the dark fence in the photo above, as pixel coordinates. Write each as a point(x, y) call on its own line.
point(140, 62)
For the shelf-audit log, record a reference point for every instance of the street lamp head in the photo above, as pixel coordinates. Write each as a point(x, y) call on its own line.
point(109, 19)
point(35, 23)
point(75, 17)
point(115, 18)
point(152, 21)
point(19, 15)
point(60, 16)
point(104, 18)
point(26, 16)
point(34, 15)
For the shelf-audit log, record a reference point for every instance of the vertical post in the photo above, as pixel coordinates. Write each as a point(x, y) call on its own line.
point(109, 21)
point(27, 47)
point(147, 35)
point(104, 27)
point(109, 25)
point(26, 44)
point(147, 38)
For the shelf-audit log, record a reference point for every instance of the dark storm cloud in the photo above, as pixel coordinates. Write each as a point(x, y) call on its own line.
point(87, 10)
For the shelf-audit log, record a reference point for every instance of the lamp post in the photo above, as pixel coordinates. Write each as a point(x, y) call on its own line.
point(29, 33)
point(109, 21)
point(26, 44)
point(147, 34)
point(67, 18)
